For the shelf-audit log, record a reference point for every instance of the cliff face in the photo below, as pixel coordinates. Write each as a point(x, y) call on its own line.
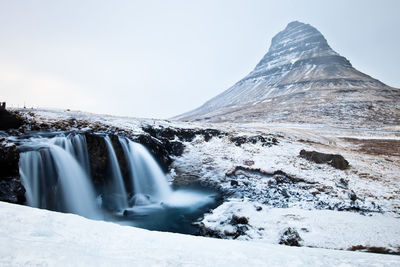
point(302, 79)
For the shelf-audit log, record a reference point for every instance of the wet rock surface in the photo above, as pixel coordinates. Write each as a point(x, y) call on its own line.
point(335, 160)
point(98, 159)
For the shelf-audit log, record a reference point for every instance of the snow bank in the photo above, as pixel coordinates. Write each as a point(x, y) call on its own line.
point(317, 228)
point(34, 237)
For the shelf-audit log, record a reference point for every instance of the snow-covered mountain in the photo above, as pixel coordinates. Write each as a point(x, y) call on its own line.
point(302, 79)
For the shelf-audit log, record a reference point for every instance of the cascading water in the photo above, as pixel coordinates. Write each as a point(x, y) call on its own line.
point(117, 182)
point(54, 179)
point(56, 175)
point(75, 145)
point(151, 188)
point(149, 182)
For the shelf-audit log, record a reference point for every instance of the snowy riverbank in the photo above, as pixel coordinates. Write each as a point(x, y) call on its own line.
point(34, 237)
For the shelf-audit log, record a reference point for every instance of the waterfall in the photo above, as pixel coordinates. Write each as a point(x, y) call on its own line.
point(31, 168)
point(76, 145)
point(149, 182)
point(78, 193)
point(54, 178)
point(118, 187)
point(56, 175)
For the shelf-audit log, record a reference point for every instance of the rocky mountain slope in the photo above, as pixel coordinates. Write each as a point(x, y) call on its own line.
point(303, 80)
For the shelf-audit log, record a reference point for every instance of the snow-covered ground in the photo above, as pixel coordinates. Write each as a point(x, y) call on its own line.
point(34, 237)
point(317, 228)
point(315, 201)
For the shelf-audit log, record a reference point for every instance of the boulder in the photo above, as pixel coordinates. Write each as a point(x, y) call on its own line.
point(335, 160)
point(239, 220)
point(290, 237)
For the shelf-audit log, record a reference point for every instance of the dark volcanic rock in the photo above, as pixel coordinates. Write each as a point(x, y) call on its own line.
point(352, 195)
point(11, 188)
point(9, 158)
point(239, 220)
point(335, 160)
point(290, 237)
point(9, 120)
point(265, 141)
point(98, 157)
point(174, 147)
point(186, 135)
point(234, 183)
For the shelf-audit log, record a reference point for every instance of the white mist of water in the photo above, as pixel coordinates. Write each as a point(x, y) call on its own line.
point(120, 199)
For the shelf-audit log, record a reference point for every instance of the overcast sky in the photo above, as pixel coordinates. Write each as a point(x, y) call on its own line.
point(157, 59)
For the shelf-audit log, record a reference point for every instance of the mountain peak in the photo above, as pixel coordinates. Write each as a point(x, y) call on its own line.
point(297, 41)
point(300, 69)
point(295, 23)
point(298, 32)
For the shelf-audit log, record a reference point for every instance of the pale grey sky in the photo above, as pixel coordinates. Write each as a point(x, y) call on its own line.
point(157, 59)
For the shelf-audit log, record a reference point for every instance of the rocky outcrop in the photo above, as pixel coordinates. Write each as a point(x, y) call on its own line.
point(11, 188)
point(254, 139)
point(9, 120)
point(98, 157)
point(182, 134)
point(239, 220)
point(335, 160)
point(281, 190)
point(290, 237)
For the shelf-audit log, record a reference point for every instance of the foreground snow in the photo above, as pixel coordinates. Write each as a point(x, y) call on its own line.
point(317, 228)
point(34, 237)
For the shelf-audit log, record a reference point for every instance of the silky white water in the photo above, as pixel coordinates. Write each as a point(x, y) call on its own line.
point(54, 179)
point(150, 183)
point(56, 175)
point(117, 182)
